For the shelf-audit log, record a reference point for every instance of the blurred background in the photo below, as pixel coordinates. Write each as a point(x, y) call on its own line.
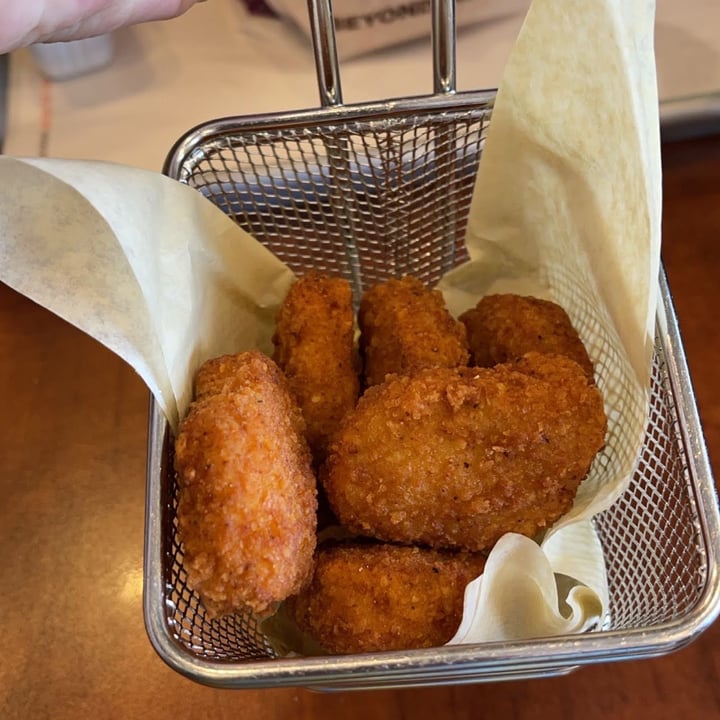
point(235, 57)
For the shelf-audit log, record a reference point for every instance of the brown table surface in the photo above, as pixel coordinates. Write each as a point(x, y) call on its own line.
point(72, 483)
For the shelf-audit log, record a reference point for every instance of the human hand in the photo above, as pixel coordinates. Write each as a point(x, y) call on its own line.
point(24, 22)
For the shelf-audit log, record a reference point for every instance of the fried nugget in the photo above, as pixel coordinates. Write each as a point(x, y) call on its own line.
point(365, 598)
point(457, 457)
point(505, 327)
point(314, 346)
point(247, 494)
point(404, 327)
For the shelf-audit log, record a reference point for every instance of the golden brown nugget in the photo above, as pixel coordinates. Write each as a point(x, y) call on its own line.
point(247, 494)
point(314, 346)
point(234, 373)
point(458, 457)
point(366, 598)
point(405, 327)
point(505, 327)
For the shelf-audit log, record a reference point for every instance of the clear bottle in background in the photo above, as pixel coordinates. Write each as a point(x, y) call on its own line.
point(63, 60)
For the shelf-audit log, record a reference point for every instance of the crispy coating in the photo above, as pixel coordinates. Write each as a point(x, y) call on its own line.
point(228, 374)
point(505, 327)
point(247, 494)
point(366, 598)
point(405, 327)
point(314, 346)
point(458, 457)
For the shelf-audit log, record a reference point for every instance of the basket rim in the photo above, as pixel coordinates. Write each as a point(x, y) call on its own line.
point(213, 130)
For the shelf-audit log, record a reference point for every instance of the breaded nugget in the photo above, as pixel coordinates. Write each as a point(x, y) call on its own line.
point(505, 327)
point(247, 494)
point(457, 457)
point(229, 374)
point(314, 346)
point(365, 598)
point(404, 327)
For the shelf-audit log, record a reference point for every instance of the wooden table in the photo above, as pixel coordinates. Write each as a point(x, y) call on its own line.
point(72, 464)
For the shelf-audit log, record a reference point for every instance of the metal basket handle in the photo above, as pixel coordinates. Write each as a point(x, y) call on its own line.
point(322, 28)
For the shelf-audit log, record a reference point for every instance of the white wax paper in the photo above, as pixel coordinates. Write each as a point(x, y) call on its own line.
point(142, 263)
point(567, 206)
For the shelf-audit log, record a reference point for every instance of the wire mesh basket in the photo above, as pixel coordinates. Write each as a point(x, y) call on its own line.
point(375, 191)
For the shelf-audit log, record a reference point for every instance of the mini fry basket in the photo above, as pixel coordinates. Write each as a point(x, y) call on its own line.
point(379, 190)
